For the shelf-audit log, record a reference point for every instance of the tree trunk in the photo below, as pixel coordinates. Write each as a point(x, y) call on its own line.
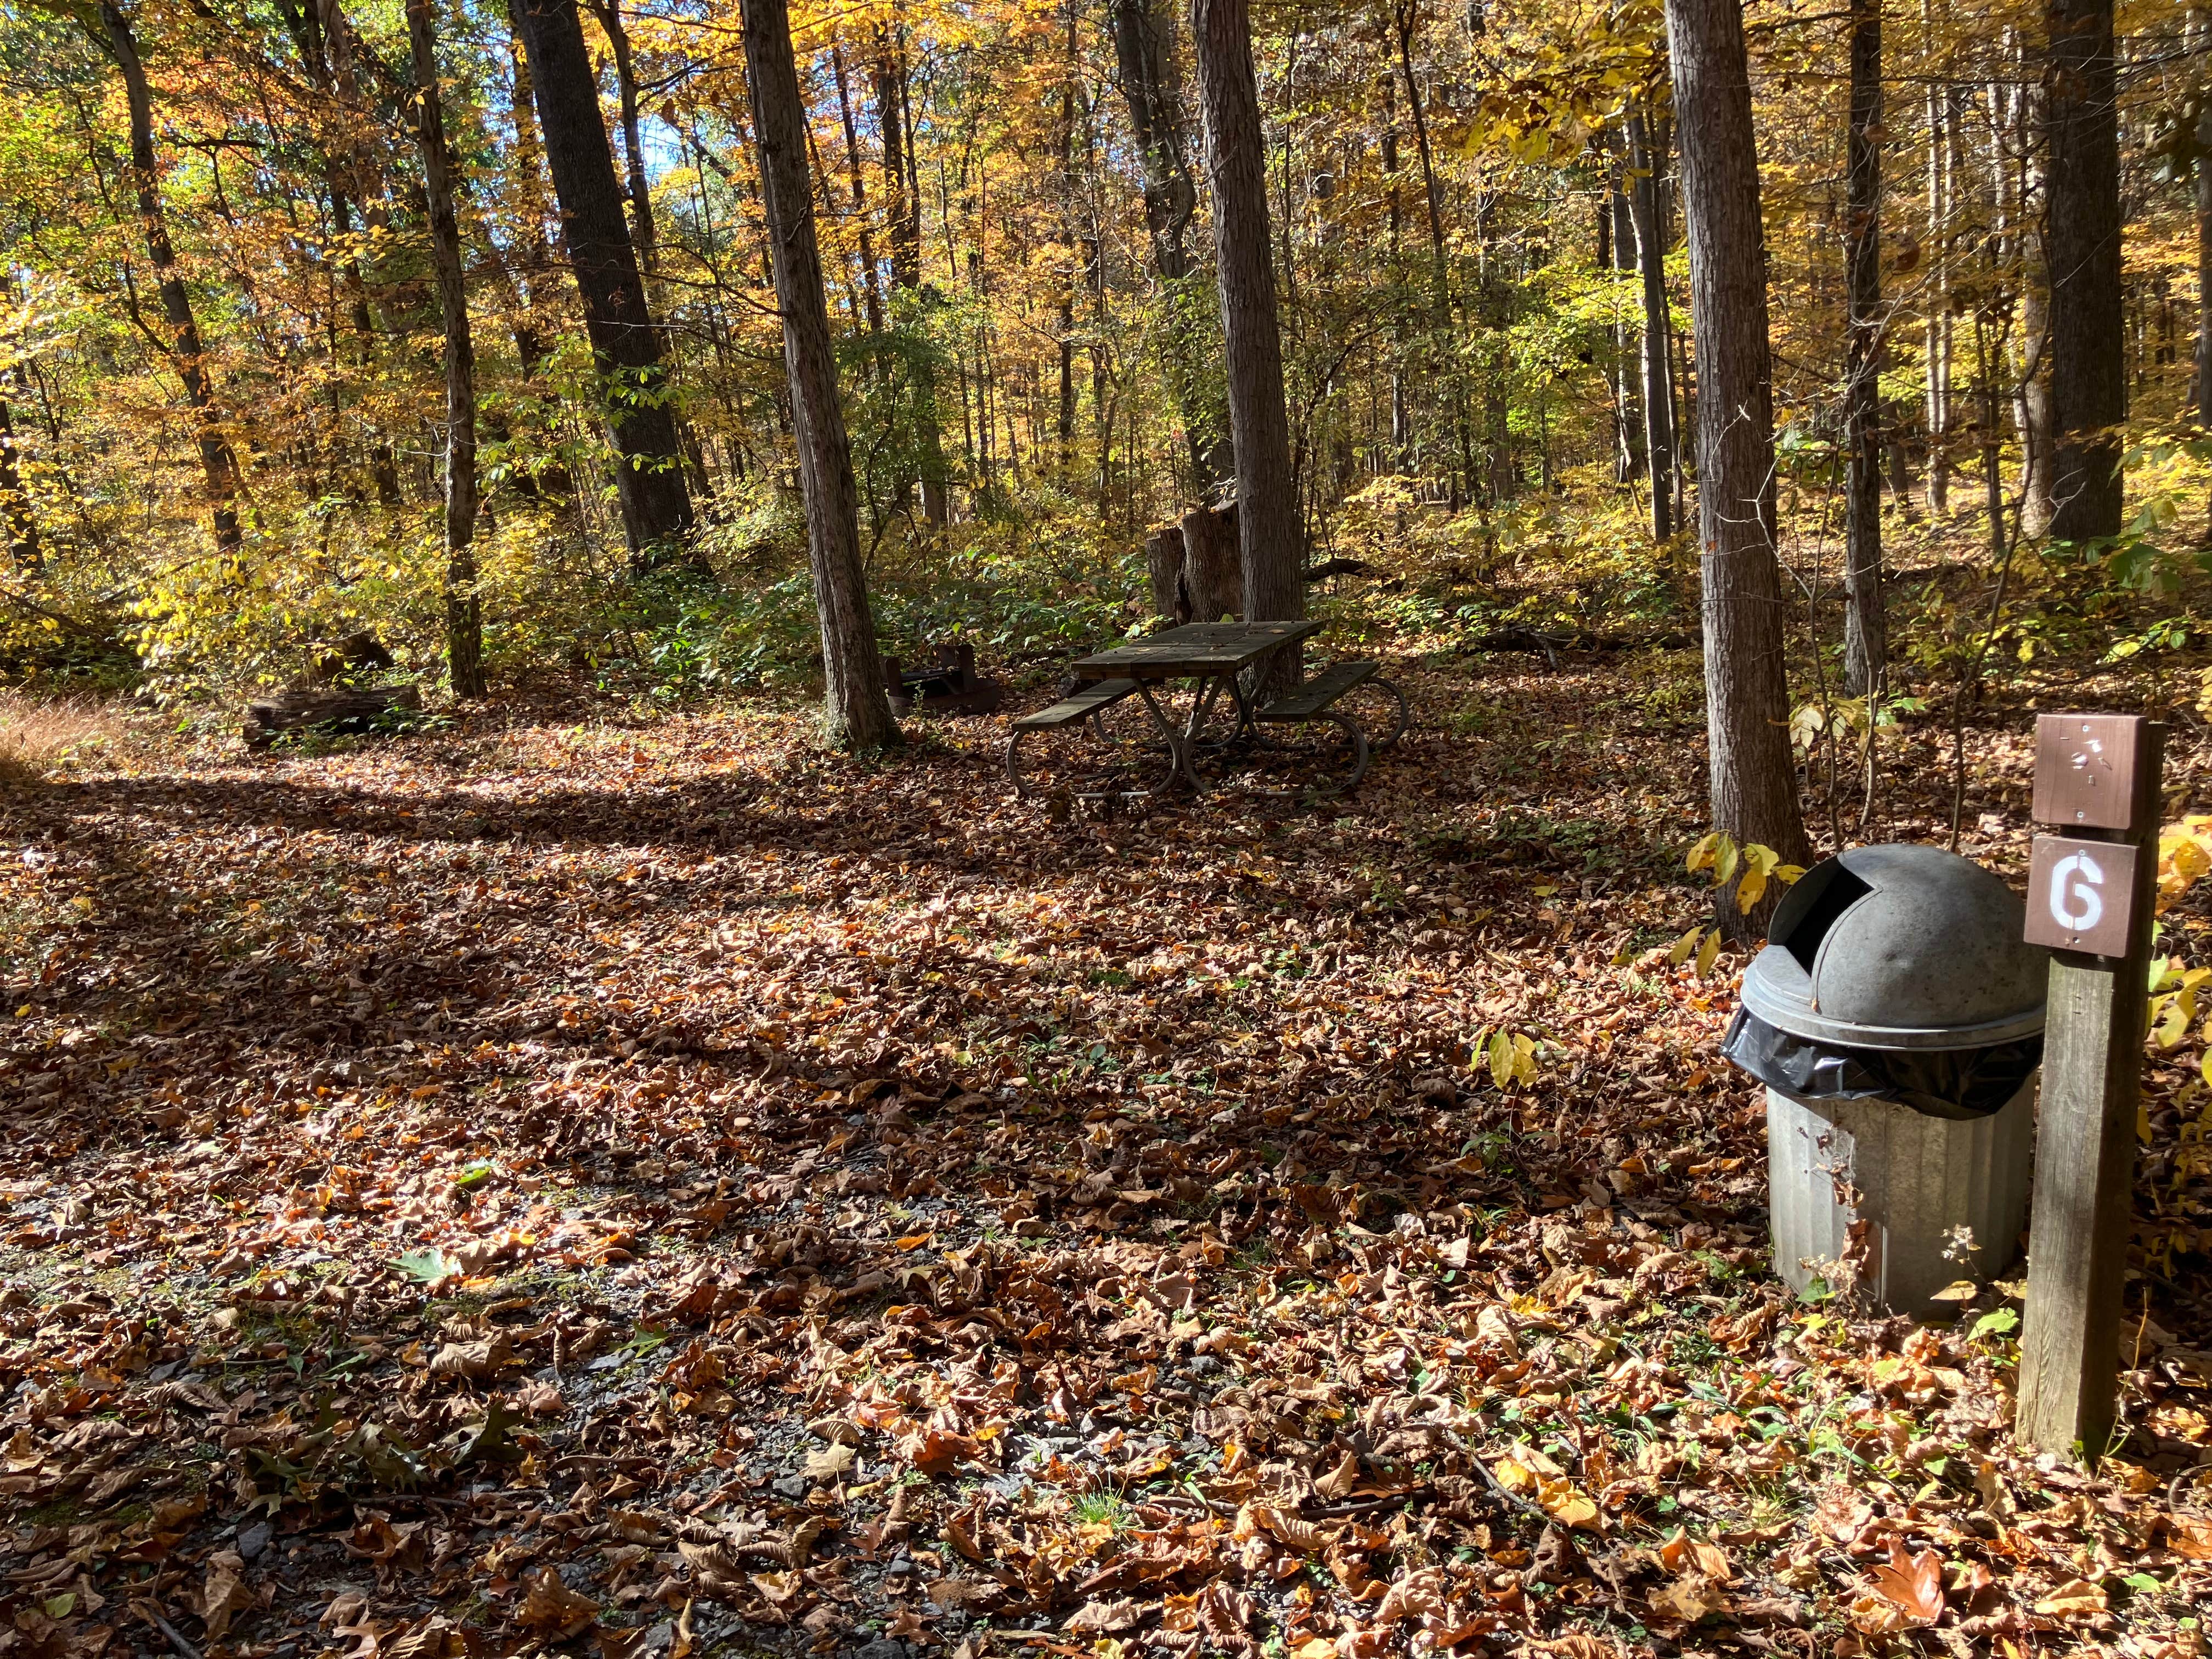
point(218, 464)
point(1144, 50)
point(872, 290)
point(1402, 408)
point(905, 208)
point(1405, 15)
point(1937, 345)
point(856, 711)
point(464, 610)
point(1865, 628)
point(2204, 268)
point(1754, 795)
point(1235, 166)
point(344, 166)
point(1658, 383)
point(531, 268)
point(22, 525)
point(534, 253)
point(1071, 240)
point(1164, 556)
point(1405, 18)
point(656, 507)
point(609, 13)
point(2082, 240)
point(2021, 204)
point(1212, 565)
point(1616, 225)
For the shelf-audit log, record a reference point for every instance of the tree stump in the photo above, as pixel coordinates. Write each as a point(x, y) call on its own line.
point(1163, 557)
point(1213, 568)
point(351, 710)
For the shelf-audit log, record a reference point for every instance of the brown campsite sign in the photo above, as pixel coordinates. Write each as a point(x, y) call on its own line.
point(2085, 771)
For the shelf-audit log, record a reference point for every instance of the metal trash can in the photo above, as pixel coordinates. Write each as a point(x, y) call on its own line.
point(1896, 1017)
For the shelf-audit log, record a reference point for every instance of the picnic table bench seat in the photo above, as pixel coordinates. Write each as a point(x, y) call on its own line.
point(1314, 699)
point(1085, 704)
point(1078, 705)
point(1310, 697)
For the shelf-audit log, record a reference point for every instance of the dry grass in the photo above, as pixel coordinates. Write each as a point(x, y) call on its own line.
point(38, 735)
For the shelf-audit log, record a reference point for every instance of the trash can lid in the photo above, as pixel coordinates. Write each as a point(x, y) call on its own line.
point(1899, 947)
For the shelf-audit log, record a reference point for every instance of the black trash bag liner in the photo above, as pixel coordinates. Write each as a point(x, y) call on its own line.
point(1950, 1083)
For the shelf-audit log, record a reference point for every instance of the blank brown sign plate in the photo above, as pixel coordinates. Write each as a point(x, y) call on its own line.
point(2081, 895)
point(2085, 770)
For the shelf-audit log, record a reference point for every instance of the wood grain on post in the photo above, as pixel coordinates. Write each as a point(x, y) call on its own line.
point(2079, 1225)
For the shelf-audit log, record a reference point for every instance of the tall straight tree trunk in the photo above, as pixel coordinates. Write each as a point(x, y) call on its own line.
point(609, 13)
point(464, 610)
point(2204, 268)
point(535, 253)
point(1237, 168)
point(1072, 240)
point(22, 525)
point(1617, 252)
point(1865, 629)
point(336, 52)
point(1937, 334)
point(2197, 33)
point(1659, 445)
point(1405, 17)
point(218, 464)
point(1401, 408)
point(2082, 240)
point(856, 711)
point(2022, 199)
point(1144, 51)
point(904, 202)
point(870, 281)
point(656, 506)
point(1754, 793)
point(341, 166)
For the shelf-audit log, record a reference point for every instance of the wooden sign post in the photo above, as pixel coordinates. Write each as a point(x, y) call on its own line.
point(2090, 897)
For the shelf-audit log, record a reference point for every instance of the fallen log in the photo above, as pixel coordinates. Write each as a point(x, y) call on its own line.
point(356, 710)
point(1551, 644)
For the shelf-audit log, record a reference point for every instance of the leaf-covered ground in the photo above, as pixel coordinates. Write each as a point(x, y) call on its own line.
point(642, 1187)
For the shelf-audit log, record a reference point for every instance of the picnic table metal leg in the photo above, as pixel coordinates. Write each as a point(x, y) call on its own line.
point(1176, 744)
point(1245, 720)
point(1360, 754)
point(1202, 709)
point(1013, 769)
point(1201, 705)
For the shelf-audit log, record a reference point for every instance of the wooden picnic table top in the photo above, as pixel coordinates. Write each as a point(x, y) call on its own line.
point(1204, 650)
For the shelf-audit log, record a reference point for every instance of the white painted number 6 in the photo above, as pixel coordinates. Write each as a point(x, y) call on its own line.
point(2075, 903)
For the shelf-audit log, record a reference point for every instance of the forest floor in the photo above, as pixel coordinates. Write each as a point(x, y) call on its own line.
point(641, 1186)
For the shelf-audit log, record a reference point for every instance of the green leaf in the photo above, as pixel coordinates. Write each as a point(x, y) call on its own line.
point(428, 1266)
point(488, 1442)
point(2142, 1581)
point(2003, 1322)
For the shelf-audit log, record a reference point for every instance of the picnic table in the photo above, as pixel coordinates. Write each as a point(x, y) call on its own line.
point(1217, 657)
